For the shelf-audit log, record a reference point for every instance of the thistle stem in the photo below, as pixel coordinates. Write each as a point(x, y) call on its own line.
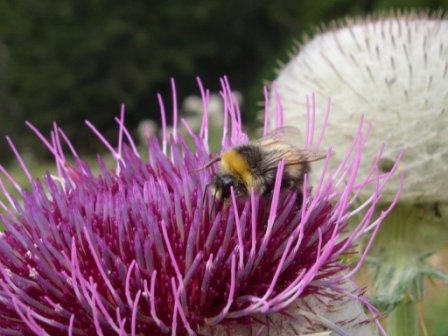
point(397, 286)
point(403, 320)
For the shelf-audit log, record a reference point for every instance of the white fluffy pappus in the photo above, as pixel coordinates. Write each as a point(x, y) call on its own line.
point(394, 71)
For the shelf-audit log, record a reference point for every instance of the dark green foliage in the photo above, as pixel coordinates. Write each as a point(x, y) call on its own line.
point(71, 60)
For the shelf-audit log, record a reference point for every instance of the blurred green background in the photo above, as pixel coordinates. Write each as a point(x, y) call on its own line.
point(71, 60)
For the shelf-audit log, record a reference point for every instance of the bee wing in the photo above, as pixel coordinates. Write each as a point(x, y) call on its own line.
point(283, 144)
point(292, 156)
point(288, 135)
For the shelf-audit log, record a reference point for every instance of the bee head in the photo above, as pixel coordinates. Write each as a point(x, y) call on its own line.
point(223, 183)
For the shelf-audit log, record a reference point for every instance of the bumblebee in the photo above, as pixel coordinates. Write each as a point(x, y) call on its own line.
point(254, 165)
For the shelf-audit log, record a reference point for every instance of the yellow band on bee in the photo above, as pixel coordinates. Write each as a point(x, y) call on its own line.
point(237, 164)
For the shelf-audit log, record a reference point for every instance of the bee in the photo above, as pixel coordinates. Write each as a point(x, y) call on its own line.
point(254, 165)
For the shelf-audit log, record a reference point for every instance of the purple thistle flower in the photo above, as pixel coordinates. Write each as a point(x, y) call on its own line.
point(136, 251)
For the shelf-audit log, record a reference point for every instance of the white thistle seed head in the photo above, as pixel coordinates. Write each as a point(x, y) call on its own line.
point(394, 70)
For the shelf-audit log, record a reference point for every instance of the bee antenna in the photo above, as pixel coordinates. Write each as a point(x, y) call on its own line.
point(206, 166)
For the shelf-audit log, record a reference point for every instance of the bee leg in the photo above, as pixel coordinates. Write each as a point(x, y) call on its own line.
point(204, 195)
point(213, 204)
point(299, 199)
point(297, 186)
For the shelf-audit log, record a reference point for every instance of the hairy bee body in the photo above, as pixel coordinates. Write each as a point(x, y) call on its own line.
point(254, 165)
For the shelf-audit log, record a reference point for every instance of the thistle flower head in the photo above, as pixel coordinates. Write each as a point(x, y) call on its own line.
point(394, 70)
point(137, 251)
